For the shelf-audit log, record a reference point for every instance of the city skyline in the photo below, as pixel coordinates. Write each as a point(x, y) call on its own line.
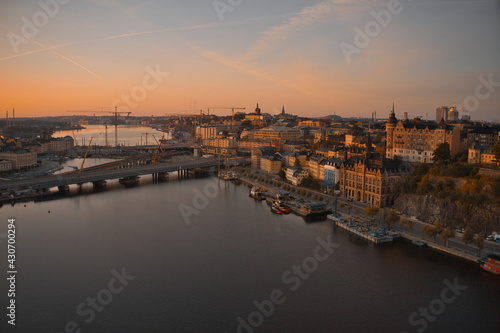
point(309, 56)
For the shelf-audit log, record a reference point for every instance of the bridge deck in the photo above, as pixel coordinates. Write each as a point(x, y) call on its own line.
point(97, 175)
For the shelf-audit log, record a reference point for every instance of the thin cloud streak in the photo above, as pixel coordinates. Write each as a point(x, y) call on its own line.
point(306, 17)
point(68, 59)
point(133, 34)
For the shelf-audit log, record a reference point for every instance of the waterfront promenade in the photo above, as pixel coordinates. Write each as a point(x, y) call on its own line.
point(455, 246)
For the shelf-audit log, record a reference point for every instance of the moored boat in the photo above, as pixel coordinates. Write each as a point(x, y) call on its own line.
point(256, 193)
point(419, 243)
point(280, 206)
point(129, 181)
point(276, 210)
point(491, 263)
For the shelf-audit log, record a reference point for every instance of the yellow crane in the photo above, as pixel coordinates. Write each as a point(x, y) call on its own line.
point(108, 110)
point(232, 108)
point(157, 153)
point(85, 157)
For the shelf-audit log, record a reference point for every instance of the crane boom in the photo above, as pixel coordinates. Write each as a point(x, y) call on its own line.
point(232, 108)
point(115, 113)
point(85, 157)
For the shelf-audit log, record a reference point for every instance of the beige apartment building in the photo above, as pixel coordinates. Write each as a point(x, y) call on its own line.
point(416, 142)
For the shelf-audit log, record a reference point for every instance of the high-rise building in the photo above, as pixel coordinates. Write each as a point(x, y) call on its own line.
point(442, 113)
point(453, 114)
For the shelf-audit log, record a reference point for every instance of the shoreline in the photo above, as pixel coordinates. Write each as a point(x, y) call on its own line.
point(470, 257)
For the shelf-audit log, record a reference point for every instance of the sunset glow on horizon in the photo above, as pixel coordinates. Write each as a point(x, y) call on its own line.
point(160, 57)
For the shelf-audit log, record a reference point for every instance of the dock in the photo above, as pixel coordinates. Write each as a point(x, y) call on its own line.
point(362, 231)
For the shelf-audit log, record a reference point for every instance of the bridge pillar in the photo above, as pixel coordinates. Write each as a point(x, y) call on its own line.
point(162, 176)
point(99, 184)
point(63, 188)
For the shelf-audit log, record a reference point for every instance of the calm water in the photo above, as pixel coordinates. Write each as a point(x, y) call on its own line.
point(203, 276)
point(127, 135)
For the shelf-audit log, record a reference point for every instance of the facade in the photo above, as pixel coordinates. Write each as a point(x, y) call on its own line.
point(371, 181)
point(219, 145)
point(316, 166)
point(483, 136)
point(271, 163)
point(416, 141)
point(250, 144)
point(61, 144)
point(278, 133)
point(331, 173)
point(5, 165)
point(296, 175)
point(258, 153)
point(311, 123)
point(20, 158)
point(482, 155)
point(210, 132)
point(292, 146)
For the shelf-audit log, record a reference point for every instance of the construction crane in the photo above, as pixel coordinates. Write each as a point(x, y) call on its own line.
point(85, 157)
point(115, 113)
point(146, 134)
point(232, 108)
point(157, 153)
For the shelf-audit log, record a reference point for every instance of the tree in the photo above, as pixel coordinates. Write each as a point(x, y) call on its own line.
point(409, 224)
point(246, 124)
point(424, 186)
point(467, 237)
point(391, 217)
point(282, 174)
point(371, 210)
point(439, 227)
point(341, 205)
point(447, 234)
point(442, 153)
point(429, 231)
point(497, 150)
point(349, 207)
point(479, 241)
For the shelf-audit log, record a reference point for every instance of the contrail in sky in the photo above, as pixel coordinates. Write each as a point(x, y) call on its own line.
point(68, 59)
point(196, 27)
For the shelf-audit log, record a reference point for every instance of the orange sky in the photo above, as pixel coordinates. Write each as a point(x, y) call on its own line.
point(281, 54)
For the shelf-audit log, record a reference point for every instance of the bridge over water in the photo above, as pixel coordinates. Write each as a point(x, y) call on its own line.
point(97, 175)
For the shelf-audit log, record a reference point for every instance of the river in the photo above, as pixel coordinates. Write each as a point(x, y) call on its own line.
point(127, 135)
point(197, 255)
